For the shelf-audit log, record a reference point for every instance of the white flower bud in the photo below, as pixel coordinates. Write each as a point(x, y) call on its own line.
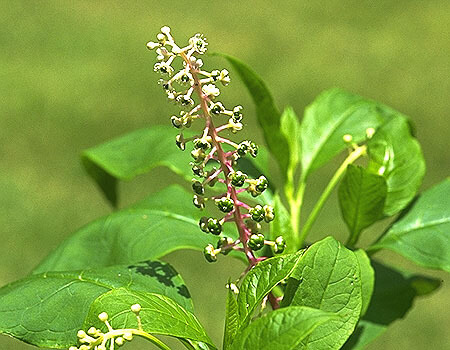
point(103, 316)
point(370, 132)
point(119, 341)
point(165, 30)
point(136, 308)
point(128, 336)
point(347, 138)
point(151, 45)
point(210, 90)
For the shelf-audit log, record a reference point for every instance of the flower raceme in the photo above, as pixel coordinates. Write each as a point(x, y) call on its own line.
point(214, 156)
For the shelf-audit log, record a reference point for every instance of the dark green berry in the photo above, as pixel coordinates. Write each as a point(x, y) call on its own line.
point(197, 170)
point(198, 154)
point(179, 141)
point(202, 144)
point(203, 223)
point(256, 241)
point(225, 204)
point(198, 188)
point(261, 184)
point(280, 245)
point(253, 150)
point(209, 253)
point(176, 122)
point(238, 178)
point(199, 202)
point(257, 213)
point(243, 148)
point(217, 108)
point(214, 226)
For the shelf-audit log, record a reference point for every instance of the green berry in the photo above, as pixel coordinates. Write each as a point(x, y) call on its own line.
point(237, 115)
point(238, 178)
point(176, 122)
point(199, 202)
point(269, 213)
point(280, 245)
point(257, 213)
point(253, 226)
point(261, 184)
point(225, 204)
point(198, 188)
point(253, 149)
point(243, 148)
point(203, 223)
point(202, 144)
point(197, 170)
point(198, 154)
point(179, 141)
point(214, 226)
point(256, 241)
point(209, 253)
point(217, 108)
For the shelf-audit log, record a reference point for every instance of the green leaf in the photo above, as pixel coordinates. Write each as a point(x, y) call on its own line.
point(260, 280)
point(164, 222)
point(396, 155)
point(290, 127)
point(393, 296)
point(282, 329)
point(134, 154)
point(423, 233)
point(159, 315)
point(333, 114)
point(367, 278)
point(231, 319)
point(327, 277)
point(48, 309)
point(281, 225)
point(266, 111)
point(361, 197)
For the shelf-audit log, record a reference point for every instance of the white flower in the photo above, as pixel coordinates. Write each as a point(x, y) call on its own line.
point(165, 30)
point(199, 43)
point(163, 68)
point(210, 90)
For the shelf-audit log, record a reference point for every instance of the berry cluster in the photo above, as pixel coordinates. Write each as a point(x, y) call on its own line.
point(214, 156)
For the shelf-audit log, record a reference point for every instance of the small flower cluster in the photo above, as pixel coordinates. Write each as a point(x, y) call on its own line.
point(95, 339)
point(214, 156)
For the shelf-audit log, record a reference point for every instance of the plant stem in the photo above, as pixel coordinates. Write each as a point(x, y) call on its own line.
point(357, 152)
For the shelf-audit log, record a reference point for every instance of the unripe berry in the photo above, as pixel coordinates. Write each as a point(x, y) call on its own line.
point(209, 253)
point(225, 242)
point(238, 178)
point(198, 188)
point(225, 204)
point(203, 223)
point(280, 245)
point(199, 202)
point(202, 144)
point(261, 184)
point(257, 213)
point(214, 226)
point(256, 241)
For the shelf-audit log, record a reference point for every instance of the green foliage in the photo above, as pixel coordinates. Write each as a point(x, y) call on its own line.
point(150, 229)
point(261, 280)
point(396, 155)
point(48, 309)
point(361, 198)
point(282, 329)
point(333, 114)
point(267, 113)
point(328, 278)
point(290, 128)
point(367, 279)
point(282, 225)
point(393, 296)
point(159, 314)
point(231, 319)
point(134, 154)
point(422, 234)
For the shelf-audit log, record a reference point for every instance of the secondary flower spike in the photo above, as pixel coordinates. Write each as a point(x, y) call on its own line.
point(214, 156)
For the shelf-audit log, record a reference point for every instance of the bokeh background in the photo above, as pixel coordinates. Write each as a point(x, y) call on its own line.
point(76, 73)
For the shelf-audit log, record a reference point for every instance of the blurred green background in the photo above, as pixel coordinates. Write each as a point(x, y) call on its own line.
point(76, 73)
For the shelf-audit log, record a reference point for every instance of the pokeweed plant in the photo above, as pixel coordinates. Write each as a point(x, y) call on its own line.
point(104, 284)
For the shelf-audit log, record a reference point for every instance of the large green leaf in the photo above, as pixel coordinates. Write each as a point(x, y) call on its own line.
point(281, 225)
point(159, 315)
point(396, 155)
point(361, 197)
point(392, 298)
point(423, 233)
point(134, 154)
point(333, 114)
point(261, 280)
point(327, 277)
point(231, 319)
point(282, 329)
point(48, 309)
point(367, 279)
point(290, 127)
point(267, 113)
point(164, 222)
